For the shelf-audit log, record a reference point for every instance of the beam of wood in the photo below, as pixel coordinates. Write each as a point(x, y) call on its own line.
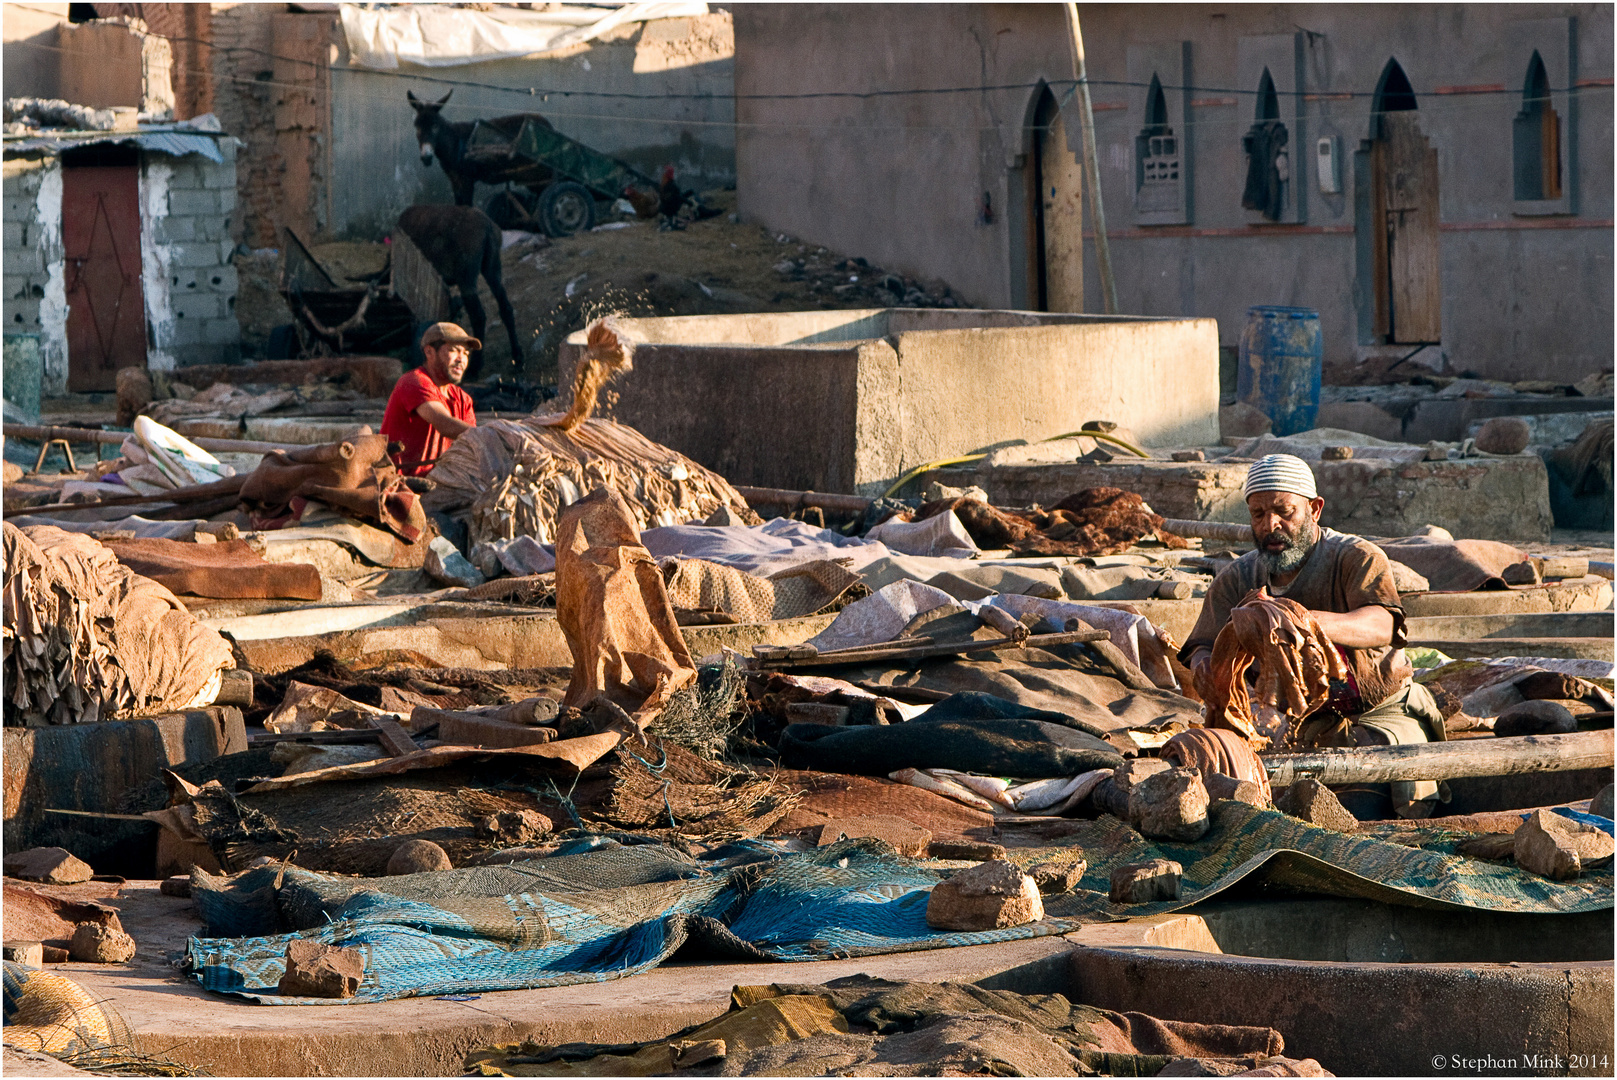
point(1086, 118)
point(1445, 760)
point(395, 740)
point(1210, 530)
point(851, 504)
point(1126, 670)
point(317, 738)
point(37, 432)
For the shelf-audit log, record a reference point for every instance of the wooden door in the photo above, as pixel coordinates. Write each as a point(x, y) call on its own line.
point(1409, 286)
point(106, 317)
point(1061, 198)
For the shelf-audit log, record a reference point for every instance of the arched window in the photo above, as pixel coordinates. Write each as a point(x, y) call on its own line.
point(1537, 149)
point(1393, 93)
point(1156, 157)
point(1268, 156)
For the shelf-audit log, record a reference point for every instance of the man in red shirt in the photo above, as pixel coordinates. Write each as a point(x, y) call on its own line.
point(427, 409)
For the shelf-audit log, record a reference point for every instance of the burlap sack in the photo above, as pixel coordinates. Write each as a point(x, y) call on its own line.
point(614, 612)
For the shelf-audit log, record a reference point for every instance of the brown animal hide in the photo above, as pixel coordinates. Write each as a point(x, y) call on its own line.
point(1217, 750)
point(607, 352)
point(354, 476)
point(1296, 663)
point(614, 611)
point(1096, 521)
point(988, 526)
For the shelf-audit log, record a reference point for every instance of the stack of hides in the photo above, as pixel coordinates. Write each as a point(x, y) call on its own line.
point(355, 477)
point(88, 639)
point(1096, 521)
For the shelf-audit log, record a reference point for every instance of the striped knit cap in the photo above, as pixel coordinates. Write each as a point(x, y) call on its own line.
point(1281, 472)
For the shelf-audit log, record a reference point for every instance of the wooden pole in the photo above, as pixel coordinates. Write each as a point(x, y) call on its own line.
point(1086, 117)
point(1445, 760)
point(90, 435)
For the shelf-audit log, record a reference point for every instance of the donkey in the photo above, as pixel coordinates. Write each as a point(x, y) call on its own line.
point(446, 141)
point(460, 242)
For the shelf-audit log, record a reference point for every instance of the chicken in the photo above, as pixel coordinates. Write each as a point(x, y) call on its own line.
point(645, 203)
point(669, 196)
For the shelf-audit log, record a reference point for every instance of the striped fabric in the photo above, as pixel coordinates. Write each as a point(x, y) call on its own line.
point(1281, 472)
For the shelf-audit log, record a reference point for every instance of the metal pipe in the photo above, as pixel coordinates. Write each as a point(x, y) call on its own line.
point(1445, 760)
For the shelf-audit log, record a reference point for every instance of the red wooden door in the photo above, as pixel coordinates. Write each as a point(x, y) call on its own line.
point(106, 318)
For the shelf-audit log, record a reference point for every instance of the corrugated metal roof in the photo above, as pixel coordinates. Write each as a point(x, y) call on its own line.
point(174, 143)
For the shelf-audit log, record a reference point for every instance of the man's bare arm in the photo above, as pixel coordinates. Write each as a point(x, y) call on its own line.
point(434, 413)
point(1369, 627)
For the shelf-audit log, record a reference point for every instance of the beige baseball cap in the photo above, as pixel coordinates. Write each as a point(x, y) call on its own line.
point(447, 333)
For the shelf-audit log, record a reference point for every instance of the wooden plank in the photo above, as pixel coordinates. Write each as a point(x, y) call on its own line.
point(878, 653)
point(1414, 271)
point(417, 282)
point(1445, 760)
point(1063, 198)
point(395, 740)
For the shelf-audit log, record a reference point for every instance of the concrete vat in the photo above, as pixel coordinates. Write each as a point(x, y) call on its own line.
point(1371, 989)
point(848, 401)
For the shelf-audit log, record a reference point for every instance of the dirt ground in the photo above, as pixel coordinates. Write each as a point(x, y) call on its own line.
point(710, 267)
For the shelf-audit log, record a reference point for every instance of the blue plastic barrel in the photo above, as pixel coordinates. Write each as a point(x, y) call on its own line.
point(1281, 354)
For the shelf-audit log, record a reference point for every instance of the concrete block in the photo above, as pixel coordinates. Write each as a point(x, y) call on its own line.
point(176, 229)
point(227, 199)
point(182, 201)
point(218, 176)
point(989, 896)
point(222, 331)
point(24, 260)
point(13, 234)
point(52, 865)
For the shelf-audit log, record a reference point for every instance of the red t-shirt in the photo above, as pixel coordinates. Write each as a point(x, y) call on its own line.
point(421, 440)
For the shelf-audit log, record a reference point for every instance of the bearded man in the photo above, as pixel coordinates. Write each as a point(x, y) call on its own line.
point(1346, 584)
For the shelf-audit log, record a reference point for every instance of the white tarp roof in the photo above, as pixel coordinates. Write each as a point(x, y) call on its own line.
point(439, 35)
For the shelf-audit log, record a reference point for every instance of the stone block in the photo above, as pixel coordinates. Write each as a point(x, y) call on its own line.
point(1557, 847)
point(1058, 875)
point(1504, 435)
point(417, 857)
point(323, 971)
point(1601, 803)
point(906, 837)
point(1316, 804)
point(514, 825)
point(1170, 805)
point(1146, 882)
point(1133, 770)
point(30, 953)
point(957, 849)
point(1220, 786)
point(1535, 718)
point(178, 885)
point(989, 896)
point(101, 943)
point(52, 865)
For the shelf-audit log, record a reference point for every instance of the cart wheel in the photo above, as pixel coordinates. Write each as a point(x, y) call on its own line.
point(566, 208)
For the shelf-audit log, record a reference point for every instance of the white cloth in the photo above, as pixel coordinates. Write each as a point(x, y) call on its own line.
point(940, 534)
point(883, 615)
point(440, 35)
point(762, 550)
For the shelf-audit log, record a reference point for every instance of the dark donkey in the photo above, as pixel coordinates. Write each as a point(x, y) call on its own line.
point(460, 242)
point(446, 141)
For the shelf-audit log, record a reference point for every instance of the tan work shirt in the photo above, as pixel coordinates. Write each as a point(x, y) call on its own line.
point(1343, 573)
